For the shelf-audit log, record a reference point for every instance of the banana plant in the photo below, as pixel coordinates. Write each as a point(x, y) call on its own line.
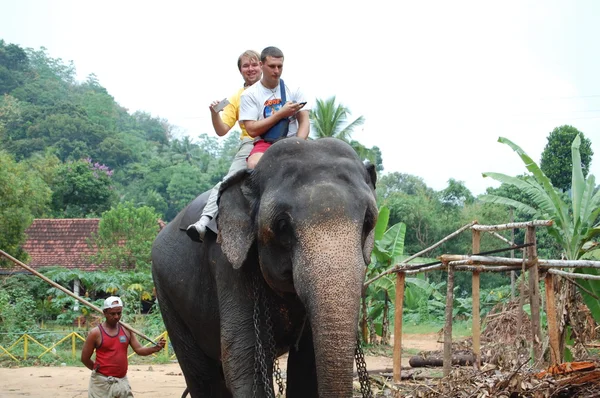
point(387, 251)
point(575, 226)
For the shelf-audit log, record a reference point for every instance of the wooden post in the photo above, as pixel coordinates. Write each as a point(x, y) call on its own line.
point(25, 346)
point(512, 255)
point(448, 325)
point(398, 311)
point(552, 322)
point(475, 287)
point(521, 313)
point(73, 346)
point(534, 296)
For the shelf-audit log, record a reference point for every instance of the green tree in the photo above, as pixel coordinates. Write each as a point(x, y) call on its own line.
point(82, 189)
point(23, 196)
point(556, 158)
point(456, 194)
point(125, 236)
point(14, 64)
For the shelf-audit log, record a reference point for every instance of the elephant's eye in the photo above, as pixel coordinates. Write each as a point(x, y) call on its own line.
point(369, 223)
point(283, 231)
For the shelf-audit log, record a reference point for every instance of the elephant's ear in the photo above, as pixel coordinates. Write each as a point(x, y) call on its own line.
point(370, 167)
point(368, 246)
point(236, 228)
point(370, 239)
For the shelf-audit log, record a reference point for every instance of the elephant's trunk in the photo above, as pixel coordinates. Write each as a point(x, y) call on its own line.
point(328, 275)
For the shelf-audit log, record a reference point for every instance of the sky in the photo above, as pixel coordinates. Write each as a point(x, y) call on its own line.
point(438, 82)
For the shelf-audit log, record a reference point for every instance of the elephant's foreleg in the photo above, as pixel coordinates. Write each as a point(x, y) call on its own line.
point(238, 357)
point(302, 369)
point(203, 375)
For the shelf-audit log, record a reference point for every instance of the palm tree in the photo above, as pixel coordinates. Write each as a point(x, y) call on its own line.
point(331, 120)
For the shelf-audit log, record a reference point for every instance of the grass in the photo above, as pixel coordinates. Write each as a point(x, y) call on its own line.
point(459, 329)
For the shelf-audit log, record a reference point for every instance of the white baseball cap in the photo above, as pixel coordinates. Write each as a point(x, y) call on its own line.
point(112, 302)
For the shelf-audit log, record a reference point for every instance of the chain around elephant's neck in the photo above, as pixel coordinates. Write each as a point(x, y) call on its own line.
point(261, 371)
point(361, 369)
point(263, 348)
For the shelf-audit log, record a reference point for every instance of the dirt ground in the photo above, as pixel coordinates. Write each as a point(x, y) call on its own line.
point(147, 381)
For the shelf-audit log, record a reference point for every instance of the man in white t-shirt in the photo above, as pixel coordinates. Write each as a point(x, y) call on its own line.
point(262, 107)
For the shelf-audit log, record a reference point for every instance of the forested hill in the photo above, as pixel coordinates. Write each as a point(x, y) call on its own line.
point(69, 150)
point(80, 151)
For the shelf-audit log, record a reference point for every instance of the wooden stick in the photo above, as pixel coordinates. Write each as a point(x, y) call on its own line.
point(59, 287)
point(476, 322)
point(398, 311)
point(574, 275)
point(534, 296)
point(552, 322)
point(521, 312)
point(460, 259)
point(527, 224)
point(424, 269)
point(448, 325)
point(395, 268)
point(483, 268)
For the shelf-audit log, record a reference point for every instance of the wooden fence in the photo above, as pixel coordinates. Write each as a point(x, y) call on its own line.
point(483, 263)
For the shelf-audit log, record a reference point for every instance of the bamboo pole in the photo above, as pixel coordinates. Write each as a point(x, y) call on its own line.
point(396, 268)
point(424, 269)
point(512, 255)
point(534, 296)
point(552, 322)
point(476, 322)
point(460, 259)
point(448, 325)
point(482, 268)
point(574, 275)
point(526, 224)
point(398, 311)
point(81, 300)
point(521, 313)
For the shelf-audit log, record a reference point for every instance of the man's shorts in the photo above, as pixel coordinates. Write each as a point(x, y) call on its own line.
point(260, 146)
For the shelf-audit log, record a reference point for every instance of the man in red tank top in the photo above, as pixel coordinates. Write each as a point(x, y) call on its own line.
point(110, 340)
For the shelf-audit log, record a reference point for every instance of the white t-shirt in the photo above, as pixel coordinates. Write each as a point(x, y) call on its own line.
point(259, 102)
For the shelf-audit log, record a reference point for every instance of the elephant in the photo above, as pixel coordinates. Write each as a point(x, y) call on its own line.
point(283, 274)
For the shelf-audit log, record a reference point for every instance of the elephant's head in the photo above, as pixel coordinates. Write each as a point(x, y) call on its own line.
point(309, 206)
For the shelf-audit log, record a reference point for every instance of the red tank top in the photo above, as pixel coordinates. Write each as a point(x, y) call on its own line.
point(111, 355)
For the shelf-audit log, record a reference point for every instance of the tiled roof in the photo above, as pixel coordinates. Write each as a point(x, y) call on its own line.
point(61, 242)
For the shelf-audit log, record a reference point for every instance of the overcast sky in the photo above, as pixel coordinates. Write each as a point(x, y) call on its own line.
point(437, 81)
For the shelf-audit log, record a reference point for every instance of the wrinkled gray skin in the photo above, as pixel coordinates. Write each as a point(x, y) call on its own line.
point(302, 223)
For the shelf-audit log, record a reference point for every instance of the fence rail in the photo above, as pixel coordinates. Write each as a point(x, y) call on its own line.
point(20, 349)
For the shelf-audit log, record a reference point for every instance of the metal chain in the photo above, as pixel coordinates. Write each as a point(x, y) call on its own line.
point(272, 350)
point(361, 369)
point(260, 363)
point(260, 355)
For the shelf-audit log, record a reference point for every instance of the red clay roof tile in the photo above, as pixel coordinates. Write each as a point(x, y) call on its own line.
point(61, 242)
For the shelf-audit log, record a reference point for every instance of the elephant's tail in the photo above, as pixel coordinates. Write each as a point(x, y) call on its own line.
point(185, 392)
